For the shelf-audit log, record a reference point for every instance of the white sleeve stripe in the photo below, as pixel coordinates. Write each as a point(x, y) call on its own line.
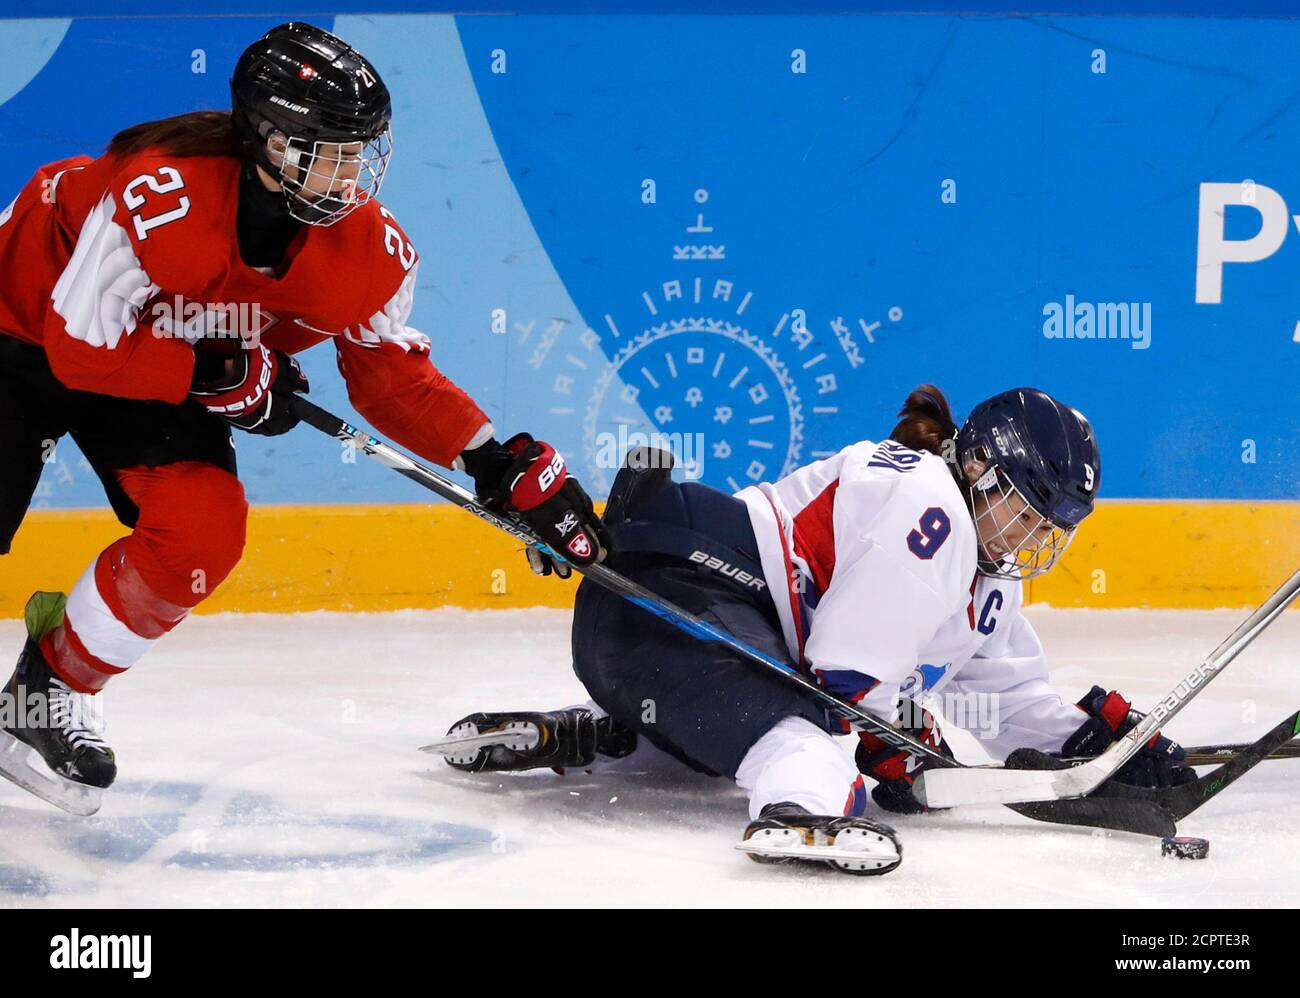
point(102, 289)
point(389, 324)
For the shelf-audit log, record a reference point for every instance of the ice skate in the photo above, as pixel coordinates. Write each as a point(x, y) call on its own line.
point(520, 740)
point(788, 833)
point(51, 742)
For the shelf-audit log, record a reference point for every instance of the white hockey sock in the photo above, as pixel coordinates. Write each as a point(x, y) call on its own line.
point(798, 762)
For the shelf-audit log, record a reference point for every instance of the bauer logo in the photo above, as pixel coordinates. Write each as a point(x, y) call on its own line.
point(102, 952)
point(739, 575)
point(289, 104)
point(1103, 320)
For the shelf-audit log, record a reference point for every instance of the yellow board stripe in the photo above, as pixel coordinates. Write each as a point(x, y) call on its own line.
point(1188, 554)
point(386, 557)
point(380, 557)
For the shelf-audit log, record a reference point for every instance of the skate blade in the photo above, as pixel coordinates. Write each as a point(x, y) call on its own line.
point(855, 850)
point(21, 764)
point(464, 742)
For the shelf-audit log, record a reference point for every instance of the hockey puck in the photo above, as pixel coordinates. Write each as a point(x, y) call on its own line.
point(1184, 847)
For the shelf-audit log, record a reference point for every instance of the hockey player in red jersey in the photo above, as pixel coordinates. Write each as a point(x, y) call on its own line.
point(155, 296)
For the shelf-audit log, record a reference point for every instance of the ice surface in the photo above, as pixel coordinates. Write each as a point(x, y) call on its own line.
point(271, 760)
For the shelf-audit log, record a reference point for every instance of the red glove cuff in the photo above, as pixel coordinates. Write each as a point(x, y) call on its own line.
point(248, 393)
point(541, 476)
point(1114, 710)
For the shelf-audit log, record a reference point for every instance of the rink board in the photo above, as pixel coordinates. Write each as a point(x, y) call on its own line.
point(752, 237)
point(386, 557)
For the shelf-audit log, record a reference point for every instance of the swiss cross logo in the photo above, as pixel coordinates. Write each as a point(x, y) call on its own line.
point(580, 546)
point(306, 73)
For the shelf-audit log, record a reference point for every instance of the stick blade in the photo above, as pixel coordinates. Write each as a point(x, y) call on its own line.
point(954, 787)
point(1027, 776)
point(1141, 817)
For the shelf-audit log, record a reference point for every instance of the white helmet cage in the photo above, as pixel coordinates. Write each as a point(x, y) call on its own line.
point(1026, 544)
point(323, 181)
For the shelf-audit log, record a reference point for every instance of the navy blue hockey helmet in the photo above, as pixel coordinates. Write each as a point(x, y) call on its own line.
point(1024, 443)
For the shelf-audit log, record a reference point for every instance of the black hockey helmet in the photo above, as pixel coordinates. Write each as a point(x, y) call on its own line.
point(313, 112)
point(1025, 443)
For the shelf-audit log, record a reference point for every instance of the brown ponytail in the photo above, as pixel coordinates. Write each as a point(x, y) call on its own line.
point(198, 133)
point(926, 422)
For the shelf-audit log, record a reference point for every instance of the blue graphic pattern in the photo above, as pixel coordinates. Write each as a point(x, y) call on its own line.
point(685, 236)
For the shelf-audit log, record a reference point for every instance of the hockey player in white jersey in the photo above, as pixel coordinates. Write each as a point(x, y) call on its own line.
point(890, 570)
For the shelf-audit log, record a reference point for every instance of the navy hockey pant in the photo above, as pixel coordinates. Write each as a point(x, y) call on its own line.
point(694, 699)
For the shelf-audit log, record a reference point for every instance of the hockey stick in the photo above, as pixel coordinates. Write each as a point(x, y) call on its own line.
point(1182, 801)
point(1212, 755)
point(1175, 803)
point(1217, 755)
point(1034, 776)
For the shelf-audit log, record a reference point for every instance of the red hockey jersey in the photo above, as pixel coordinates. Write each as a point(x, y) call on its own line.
point(118, 266)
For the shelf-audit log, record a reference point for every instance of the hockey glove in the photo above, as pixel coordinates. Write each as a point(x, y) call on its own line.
point(1159, 763)
point(249, 388)
point(528, 477)
point(892, 768)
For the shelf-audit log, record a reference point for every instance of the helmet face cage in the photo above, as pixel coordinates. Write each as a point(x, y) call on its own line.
point(1019, 548)
point(323, 180)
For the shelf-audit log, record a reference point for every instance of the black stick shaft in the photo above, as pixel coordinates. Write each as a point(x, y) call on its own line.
point(1212, 755)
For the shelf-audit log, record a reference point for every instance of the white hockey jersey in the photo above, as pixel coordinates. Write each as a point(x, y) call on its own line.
point(870, 556)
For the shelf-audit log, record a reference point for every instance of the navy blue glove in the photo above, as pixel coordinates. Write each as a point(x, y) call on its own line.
point(1161, 762)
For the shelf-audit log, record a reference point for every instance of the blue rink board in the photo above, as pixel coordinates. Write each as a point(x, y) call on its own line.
point(799, 268)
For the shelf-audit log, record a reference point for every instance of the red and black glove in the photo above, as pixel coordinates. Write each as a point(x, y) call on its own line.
point(895, 770)
point(249, 387)
point(1161, 762)
point(528, 477)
